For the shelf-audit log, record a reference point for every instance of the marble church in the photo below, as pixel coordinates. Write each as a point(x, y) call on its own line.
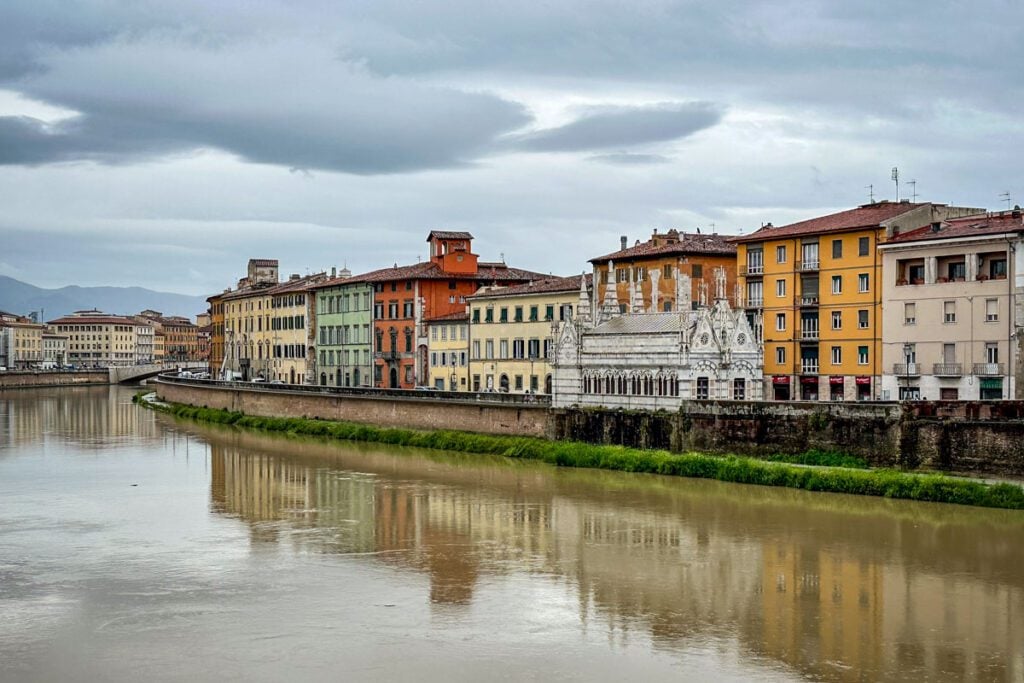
point(650, 360)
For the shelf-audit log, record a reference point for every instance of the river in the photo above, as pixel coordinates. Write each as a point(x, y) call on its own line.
point(137, 547)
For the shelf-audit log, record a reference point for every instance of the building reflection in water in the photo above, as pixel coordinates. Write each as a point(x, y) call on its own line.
point(90, 417)
point(837, 588)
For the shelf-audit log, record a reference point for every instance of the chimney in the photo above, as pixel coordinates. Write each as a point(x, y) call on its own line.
point(334, 272)
point(622, 242)
point(293, 276)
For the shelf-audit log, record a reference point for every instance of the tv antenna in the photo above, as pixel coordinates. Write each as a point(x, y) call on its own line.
point(896, 179)
point(1005, 196)
point(913, 190)
point(871, 192)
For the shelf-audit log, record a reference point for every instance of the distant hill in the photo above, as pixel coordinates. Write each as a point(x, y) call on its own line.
point(23, 298)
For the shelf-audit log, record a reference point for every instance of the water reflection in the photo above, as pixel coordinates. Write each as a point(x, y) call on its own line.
point(837, 588)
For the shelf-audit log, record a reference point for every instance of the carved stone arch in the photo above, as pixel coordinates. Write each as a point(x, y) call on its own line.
point(705, 366)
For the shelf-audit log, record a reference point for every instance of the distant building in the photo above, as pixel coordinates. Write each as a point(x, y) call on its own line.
point(55, 350)
point(21, 342)
point(655, 361)
point(97, 339)
point(950, 328)
point(644, 275)
point(513, 330)
point(344, 331)
point(260, 274)
point(181, 335)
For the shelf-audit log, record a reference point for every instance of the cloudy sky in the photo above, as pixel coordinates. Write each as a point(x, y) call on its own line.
point(164, 143)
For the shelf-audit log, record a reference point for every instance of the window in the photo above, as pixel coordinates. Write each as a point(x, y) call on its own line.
point(476, 349)
point(444, 333)
point(957, 271)
point(666, 271)
point(518, 348)
point(534, 313)
point(489, 349)
point(837, 320)
point(519, 382)
point(862, 355)
point(780, 322)
point(755, 296)
point(837, 284)
point(997, 269)
point(991, 352)
point(949, 311)
point(407, 309)
point(393, 309)
point(991, 310)
point(837, 355)
point(476, 315)
point(949, 393)
point(780, 287)
point(863, 245)
point(703, 388)
point(739, 389)
point(533, 348)
point(810, 255)
point(489, 315)
point(549, 312)
point(780, 355)
point(780, 254)
point(503, 348)
point(504, 314)
point(909, 313)
point(949, 353)
point(698, 269)
point(433, 333)
point(863, 282)
point(862, 319)
point(837, 249)
point(755, 263)
point(378, 310)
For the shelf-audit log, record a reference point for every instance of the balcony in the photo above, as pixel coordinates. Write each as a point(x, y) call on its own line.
point(809, 334)
point(989, 369)
point(948, 369)
point(809, 367)
point(906, 369)
point(755, 303)
point(752, 269)
point(809, 300)
point(807, 266)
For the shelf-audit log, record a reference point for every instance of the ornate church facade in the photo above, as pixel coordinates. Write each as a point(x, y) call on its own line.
point(642, 360)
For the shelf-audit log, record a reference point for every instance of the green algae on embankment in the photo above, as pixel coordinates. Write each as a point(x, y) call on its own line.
point(936, 488)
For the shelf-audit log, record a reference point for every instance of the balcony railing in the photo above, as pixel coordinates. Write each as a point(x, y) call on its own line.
point(906, 369)
point(809, 300)
point(808, 368)
point(807, 266)
point(948, 369)
point(755, 303)
point(988, 369)
point(809, 333)
point(752, 269)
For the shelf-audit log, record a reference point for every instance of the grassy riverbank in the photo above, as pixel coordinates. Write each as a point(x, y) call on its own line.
point(887, 483)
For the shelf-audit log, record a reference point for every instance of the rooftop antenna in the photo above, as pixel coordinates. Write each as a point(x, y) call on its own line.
point(712, 228)
point(896, 179)
point(1005, 196)
point(871, 192)
point(913, 190)
point(502, 257)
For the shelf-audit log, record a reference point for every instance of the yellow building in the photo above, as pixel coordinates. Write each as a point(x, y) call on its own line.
point(813, 291)
point(21, 342)
point(513, 330)
point(448, 352)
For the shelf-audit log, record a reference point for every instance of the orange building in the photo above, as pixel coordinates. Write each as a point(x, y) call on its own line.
point(405, 296)
point(647, 271)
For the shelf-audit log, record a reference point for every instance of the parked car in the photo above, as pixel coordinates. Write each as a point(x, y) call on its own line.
point(259, 380)
point(276, 381)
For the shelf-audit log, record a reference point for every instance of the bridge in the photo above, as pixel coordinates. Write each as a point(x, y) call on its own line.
point(134, 373)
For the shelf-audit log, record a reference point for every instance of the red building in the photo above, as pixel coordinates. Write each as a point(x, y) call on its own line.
point(405, 296)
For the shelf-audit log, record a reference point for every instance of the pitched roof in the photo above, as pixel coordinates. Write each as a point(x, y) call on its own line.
point(866, 216)
point(450, 317)
point(101, 319)
point(448, 235)
point(688, 243)
point(270, 289)
point(649, 323)
point(966, 227)
point(545, 286)
point(428, 270)
point(263, 261)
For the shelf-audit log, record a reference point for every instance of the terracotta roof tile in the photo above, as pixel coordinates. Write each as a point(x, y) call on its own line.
point(866, 216)
point(968, 226)
point(448, 235)
point(689, 243)
point(451, 317)
point(545, 286)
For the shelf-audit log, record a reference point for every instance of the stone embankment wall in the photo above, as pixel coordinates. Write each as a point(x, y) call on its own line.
point(412, 413)
point(25, 380)
point(977, 436)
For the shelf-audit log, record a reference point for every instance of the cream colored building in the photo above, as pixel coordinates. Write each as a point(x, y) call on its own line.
point(949, 329)
point(448, 352)
point(512, 333)
point(97, 339)
point(55, 350)
point(21, 342)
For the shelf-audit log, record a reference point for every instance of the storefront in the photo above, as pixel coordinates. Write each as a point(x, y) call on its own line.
point(836, 385)
point(780, 387)
point(863, 388)
point(809, 388)
point(991, 388)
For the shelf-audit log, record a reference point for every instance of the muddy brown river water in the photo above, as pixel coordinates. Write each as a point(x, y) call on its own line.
point(136, 547)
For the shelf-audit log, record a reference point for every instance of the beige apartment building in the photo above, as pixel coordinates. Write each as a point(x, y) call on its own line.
point(97, 339)
point(448, 351)
point(21, 342)
point(55, 350)
point(949, 323)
